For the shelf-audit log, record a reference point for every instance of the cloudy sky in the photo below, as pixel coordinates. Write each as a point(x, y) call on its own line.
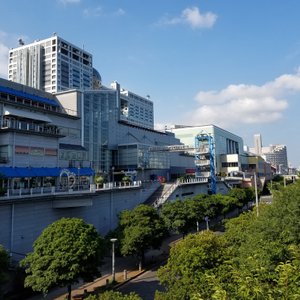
point(235, 64)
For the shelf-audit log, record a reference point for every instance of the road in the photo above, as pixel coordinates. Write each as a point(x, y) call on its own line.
point(145, 285)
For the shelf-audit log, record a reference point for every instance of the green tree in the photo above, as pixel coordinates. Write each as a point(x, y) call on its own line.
point(99, 179)
point(263, 264)
point(243, 195)
point(191, 264)
point(67, 250)
point(113, 295)
point(196, 211)
point(142, 229)
point(177, 216)
point(225, 203)
point(210, 204)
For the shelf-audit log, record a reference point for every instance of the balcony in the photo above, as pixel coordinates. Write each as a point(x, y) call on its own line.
point(30, 127)
point(202, 162)
point(203, 174)
point(36, 105)
point(202, 150)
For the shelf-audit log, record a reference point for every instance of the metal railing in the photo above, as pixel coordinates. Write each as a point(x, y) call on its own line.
point(29, 126)
point(165, 196)
point(194, 180)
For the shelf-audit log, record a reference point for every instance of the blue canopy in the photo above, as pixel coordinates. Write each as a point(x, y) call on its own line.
point(28, 96)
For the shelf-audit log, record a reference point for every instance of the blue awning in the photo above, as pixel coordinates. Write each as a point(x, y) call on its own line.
point(82, 171)
point(28, 96)
point(8, 172)
point(18, 172)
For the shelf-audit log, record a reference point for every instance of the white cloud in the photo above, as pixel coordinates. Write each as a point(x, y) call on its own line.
point(66, 2)
point(98, 11)
point(3, 54)
point(193, 17)
point(245, 104)
point(93, 12)
point(120, 12)
point(3, 60)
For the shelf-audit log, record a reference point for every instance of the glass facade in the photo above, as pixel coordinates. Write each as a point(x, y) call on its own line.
point(138, 156)
point(99, 110)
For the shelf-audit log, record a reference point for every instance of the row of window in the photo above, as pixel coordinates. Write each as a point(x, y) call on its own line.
point(38, 151)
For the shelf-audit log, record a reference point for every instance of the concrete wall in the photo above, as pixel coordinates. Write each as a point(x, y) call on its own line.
point(23, 220)
point(190, 190)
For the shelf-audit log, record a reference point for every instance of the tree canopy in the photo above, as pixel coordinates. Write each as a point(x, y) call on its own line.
point(190, 264)
point(141, 229)
point(67, 250)
point(256, 257)
point(177, 216)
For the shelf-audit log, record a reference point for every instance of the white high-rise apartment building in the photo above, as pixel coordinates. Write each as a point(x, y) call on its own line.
point(52, 65)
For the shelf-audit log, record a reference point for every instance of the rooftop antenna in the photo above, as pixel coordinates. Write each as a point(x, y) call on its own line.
point(21, 42)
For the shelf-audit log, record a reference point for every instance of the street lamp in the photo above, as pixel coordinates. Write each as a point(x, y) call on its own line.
point(207, 224)
point(78, 169)
point(256, 194)
point(112, 175)
point(113, 259)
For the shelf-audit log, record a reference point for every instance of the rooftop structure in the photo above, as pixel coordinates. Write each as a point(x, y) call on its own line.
point(134, 109)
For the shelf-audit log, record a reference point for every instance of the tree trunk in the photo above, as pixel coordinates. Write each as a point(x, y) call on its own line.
point(69, 291)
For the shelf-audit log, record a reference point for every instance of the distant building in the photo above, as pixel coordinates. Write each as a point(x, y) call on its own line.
point(55, 65)
point(228, 147)
point(276, 155)
point(51, 65)
point(134, 109)
point(258, 144)
point(113, 140)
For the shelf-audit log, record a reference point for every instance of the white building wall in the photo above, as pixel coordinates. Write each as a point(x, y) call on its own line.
point(52, 65)
point(225, 141)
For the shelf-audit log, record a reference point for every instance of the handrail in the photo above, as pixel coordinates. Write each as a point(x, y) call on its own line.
point(57, 190)
point(164, 197)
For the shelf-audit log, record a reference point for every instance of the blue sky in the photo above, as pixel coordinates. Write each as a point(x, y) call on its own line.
point(235, 64)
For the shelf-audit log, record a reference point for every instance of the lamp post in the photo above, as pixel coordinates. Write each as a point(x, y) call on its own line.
point(112, 175)
point(256, 195)
point(78, 169)
point(113, 259)
point(207, 224)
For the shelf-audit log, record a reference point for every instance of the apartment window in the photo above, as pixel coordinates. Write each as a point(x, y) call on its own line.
point(64, 51)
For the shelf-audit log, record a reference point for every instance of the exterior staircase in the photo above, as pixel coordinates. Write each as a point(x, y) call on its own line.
point(163, 193)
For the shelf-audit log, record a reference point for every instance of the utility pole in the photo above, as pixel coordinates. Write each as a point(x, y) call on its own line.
point(256, 195)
